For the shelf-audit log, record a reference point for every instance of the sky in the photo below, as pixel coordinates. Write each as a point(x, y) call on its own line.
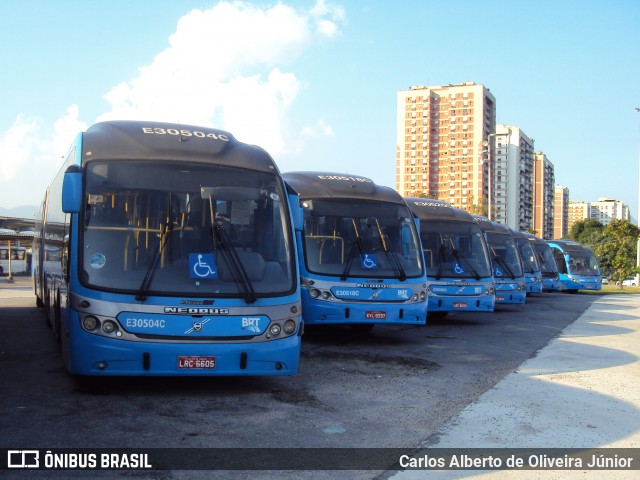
point(315, 82)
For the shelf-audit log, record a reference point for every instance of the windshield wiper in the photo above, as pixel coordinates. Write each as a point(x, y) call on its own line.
point(441, 260)
point(240, 275)
point(357, 244)
point(462, 259)
point(146, 281)
point(220, 242)
point(501, 261)
point(397, 266)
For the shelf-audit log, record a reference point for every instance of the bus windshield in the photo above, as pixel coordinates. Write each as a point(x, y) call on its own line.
point(529, 260)
point(360, 238)
point(545, 259)
point(454, 249)
point(582, 263)
point(164, 228)
point(506, 261)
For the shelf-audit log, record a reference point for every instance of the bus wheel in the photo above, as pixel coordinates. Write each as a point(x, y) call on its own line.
point(57, 319)
point(436, 315)
point(1, 271)
point(362, 327)
point(39, 302)
point(47, 308)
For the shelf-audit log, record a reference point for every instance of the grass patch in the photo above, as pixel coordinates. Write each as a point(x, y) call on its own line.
point(613, 290)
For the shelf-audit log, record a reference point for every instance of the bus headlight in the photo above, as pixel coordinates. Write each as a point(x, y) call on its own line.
point(109, 327)
point(275, 329)
point(90, 323)
point(414, 297)
point(289, 327)
point(423, 296)
point(314, 293)
point(326, 295)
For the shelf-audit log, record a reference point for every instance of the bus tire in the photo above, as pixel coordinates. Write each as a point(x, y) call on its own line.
point(47, 308)
point(57, 319)
point(39, 302)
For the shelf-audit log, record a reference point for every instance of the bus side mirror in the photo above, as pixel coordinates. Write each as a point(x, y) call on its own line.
point(296, 211)
point(72, 190)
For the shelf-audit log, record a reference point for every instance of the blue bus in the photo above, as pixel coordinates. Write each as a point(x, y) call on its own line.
point(456, 258)
point(578, 267)
point(165, 249)
point(359, 252)
point(548, 267)
point(505, 260)
point(530, 264)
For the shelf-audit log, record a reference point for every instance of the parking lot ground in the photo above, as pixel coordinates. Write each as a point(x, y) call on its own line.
point(580, 391)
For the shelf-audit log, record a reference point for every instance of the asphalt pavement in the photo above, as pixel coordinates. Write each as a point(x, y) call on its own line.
point(582, 390)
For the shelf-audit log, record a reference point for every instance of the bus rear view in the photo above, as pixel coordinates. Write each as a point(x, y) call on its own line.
point(360, 256)
point(168, 250)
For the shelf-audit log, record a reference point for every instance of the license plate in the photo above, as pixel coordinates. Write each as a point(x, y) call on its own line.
point(499, 298)
point(376, 315)
point(196, 362)
point(460, 305)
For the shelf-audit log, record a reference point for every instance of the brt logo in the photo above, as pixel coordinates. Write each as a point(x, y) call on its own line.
point(251, 323)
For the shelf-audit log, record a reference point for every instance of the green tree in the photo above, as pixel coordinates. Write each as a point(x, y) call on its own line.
point(617, 250)
point(587, 232)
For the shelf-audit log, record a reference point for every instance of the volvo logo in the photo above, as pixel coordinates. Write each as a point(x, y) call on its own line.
point(197, 326)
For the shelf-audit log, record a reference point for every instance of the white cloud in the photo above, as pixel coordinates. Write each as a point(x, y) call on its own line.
point(223, 68)
point(228, 67)
point(16, 146)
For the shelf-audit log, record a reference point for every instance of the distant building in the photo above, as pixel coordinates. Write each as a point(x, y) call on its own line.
point(543, 196)
point(513, 157)
point(440, 150)
point(560, 212)
point(604, 210)
point(607, 209)
point(578, 211)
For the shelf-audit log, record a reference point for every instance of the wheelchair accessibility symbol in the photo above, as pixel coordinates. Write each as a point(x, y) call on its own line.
point(458, 269)
point(498, 272)
point(202, 265)
point(368, 261)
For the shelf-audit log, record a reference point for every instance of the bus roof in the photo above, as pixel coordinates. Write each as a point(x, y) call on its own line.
point(533, 239)
point(339, 185)
point(157, 141)
point(517, 233)
point(429, 209)
point(488, 226)
point(569, 246)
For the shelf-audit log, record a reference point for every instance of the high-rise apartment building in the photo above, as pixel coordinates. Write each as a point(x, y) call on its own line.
point(440, 149)
point(577, 212)
point(512, 170)
point(543, 196)
point(607, 209)
point(560, 212)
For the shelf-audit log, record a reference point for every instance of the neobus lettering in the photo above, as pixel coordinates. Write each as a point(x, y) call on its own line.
point(197, 311)
point(184, 133)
